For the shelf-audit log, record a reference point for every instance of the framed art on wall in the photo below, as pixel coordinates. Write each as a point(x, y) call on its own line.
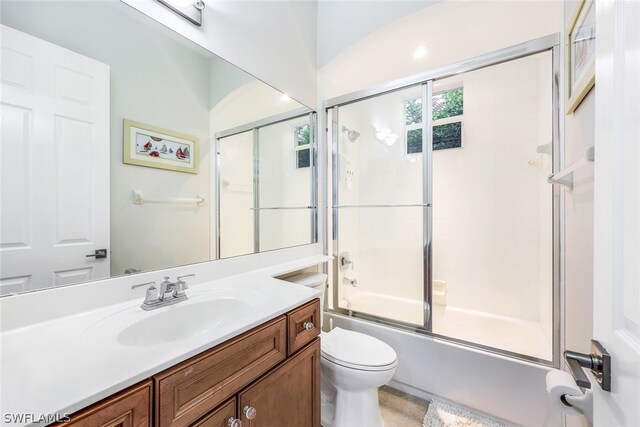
point(580, 54)
point(150, 146)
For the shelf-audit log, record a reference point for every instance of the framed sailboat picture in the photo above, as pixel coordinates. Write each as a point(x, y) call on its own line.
point(150, 146)
point(580, 54)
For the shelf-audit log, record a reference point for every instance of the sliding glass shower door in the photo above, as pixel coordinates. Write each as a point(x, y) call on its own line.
point(380, 207)
point(443, 218)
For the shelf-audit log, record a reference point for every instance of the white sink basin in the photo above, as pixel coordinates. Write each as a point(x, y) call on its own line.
point(182, 321)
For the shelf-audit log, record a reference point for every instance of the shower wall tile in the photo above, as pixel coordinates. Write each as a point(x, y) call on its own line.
point(489, 218)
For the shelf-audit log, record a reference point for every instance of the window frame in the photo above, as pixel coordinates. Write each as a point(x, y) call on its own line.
point(444, 121)
point(298, 148)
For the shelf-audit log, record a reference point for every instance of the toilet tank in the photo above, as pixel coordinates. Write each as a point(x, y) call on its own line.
point(312, 280)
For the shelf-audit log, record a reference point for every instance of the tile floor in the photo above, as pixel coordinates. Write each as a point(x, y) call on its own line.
point(400, 409)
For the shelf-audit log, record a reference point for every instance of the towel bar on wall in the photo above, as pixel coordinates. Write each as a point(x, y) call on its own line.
point(139, 199)
point(564, 177)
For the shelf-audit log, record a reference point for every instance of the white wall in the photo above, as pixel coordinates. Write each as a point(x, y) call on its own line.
point(275, 40)
point(451, 31)
point(579, 133)
point(342, 23)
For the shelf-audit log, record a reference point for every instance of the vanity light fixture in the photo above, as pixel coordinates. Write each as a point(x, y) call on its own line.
point(188, 9)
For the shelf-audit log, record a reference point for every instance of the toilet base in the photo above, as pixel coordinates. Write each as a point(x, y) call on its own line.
point(355, 408)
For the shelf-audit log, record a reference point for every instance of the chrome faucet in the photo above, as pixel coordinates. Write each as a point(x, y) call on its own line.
point(168, 294)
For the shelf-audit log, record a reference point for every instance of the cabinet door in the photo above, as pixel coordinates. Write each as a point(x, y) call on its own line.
point(221, 417)
point(287, 397)
point(129, 408)
point(188, 391)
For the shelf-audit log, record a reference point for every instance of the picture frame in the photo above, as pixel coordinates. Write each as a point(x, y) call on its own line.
point(580, 70)
point(154, 147)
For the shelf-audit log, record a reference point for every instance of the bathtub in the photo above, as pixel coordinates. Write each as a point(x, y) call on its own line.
point(506, 333)
point(428, 367)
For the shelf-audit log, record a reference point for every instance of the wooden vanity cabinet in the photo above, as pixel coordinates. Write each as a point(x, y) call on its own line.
point(128, 408)
point(220, 417)
point(289, 396)
point(273, 370)
point(189, 390)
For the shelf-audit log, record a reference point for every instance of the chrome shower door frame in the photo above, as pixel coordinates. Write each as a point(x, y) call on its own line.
point(548, 43)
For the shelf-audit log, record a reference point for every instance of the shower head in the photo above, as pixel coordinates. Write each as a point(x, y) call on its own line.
point(351, 134)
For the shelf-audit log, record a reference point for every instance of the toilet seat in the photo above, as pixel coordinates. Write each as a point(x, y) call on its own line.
point(357, 351)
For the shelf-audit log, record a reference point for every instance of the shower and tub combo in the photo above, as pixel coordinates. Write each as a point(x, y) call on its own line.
point(444, 225)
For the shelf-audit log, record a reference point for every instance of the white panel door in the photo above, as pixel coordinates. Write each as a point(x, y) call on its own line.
point(617, 209)
point(54, 176)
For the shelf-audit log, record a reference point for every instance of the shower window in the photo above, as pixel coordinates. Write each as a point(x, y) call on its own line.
point(448, 110)
point(302, 139)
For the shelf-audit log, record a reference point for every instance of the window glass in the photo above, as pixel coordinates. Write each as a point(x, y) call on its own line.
point(448, 109)
point(447, 136)
point(302, 139)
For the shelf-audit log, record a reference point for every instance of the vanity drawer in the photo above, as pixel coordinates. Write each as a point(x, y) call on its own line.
point(191, 389)
point(220, 417)
point(303, 325)
point(129, 408)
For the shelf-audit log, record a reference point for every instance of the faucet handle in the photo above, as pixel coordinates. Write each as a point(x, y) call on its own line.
point(181, 286)
point(143, 284)
point(186, 275)
point(151, 296)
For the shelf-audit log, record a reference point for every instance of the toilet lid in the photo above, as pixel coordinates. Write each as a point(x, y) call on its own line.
point(360, 351)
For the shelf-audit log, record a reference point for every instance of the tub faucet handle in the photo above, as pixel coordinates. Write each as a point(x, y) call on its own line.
point(348, 281)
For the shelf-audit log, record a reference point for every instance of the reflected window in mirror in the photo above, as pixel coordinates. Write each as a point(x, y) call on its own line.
point(302, 143)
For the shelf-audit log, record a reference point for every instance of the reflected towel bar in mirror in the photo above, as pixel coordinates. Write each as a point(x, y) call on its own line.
point(139, 199)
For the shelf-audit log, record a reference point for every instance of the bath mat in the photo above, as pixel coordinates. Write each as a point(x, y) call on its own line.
point(445, 414)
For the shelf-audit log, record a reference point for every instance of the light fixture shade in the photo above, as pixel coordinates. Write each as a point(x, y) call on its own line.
point(191, 10)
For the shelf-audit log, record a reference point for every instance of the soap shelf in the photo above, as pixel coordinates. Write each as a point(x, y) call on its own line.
point(564, 177)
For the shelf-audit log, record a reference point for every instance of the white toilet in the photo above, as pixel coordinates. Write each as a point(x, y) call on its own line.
point(354, 365)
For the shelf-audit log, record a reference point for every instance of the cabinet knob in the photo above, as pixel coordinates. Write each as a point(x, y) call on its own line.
point(234, 422)
point(309, 326)
point(249, 412)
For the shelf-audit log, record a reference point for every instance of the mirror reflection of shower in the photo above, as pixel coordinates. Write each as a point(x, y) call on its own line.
point(352, 135)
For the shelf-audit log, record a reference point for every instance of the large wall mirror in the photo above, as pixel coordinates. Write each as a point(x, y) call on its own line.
point(128, 148)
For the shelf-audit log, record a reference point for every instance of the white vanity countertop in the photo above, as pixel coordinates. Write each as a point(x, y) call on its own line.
point(66, 364)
